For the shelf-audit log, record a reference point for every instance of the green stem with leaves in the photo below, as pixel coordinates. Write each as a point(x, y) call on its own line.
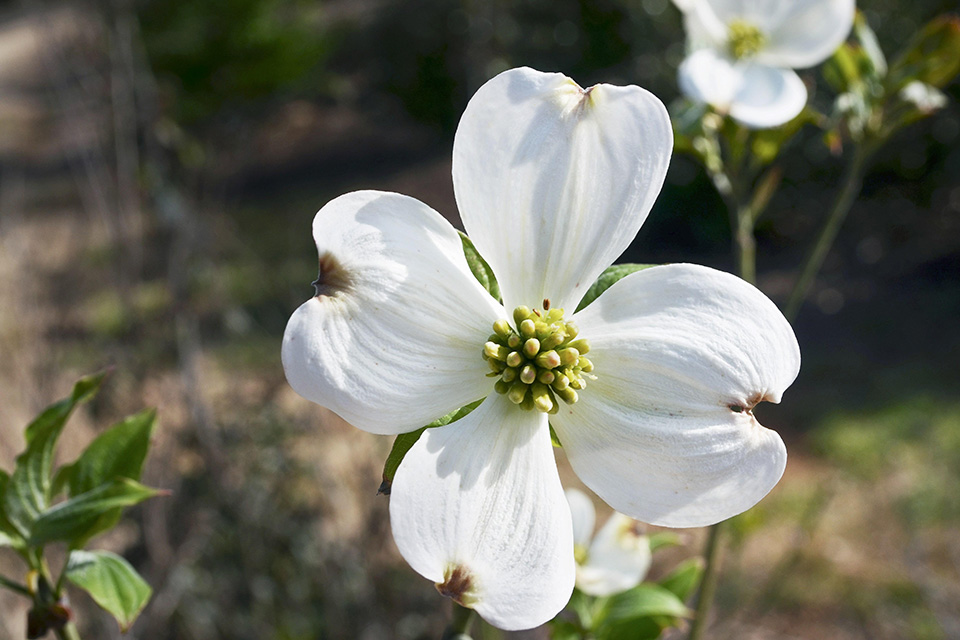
point(850, 189)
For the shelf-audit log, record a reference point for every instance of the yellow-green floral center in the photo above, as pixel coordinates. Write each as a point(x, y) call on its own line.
point(744, 39)
point(538, 361)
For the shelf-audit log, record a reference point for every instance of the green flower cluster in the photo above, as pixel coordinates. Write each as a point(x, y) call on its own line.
point(539, 361)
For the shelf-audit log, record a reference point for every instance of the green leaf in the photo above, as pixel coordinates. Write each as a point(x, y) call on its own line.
point(663, 539)
point(82, 516)
point(29, 491)
point(481, 270)
point(118, 452)
point(643, 628)
point(646, 599)
point(608, 278)
point(871, 46)
point(564, 630)
point(405, 441)
point(932, 57)
point(683, 580)
point(9, 537)
point(111, 582)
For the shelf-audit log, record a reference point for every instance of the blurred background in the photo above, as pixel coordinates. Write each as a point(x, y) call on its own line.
point(160, 165)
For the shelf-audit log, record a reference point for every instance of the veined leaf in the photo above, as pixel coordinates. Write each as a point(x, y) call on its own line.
point(683, 580)
point(644, 600)
point(111, 582)
point(610, 276)
point(405, 441)
point(118, 452)
point(9, 536)
point(80, 517)
point(481, 270)
point(28, 492)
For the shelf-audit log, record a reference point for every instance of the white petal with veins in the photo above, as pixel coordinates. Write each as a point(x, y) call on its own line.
point(394, 339)
point(553, 181)
point(665, 434)
point(482, 496)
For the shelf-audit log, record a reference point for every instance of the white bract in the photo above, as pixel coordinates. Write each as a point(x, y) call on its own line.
point(616, 559)
point(553, 182)
point(743, 52)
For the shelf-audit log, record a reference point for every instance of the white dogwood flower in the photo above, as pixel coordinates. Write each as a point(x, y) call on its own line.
point(743, 52)
point(614, 560)
point(553, 182)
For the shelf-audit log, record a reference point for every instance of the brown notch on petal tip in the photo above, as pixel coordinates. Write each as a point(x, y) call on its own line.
point(332, 278)
point(546, 304)
point(751, 402)
point(457, 585)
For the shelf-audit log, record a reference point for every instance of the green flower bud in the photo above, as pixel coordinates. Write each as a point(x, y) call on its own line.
point(495, 351)
point(520, 314)
point(528, 328)
point(501, 387)
point(568, 395)
point(581, 345)
point(518, 392)
point(548, 360)
point(514, 359)
point(502, 328)
point(528, 374)
point(509, 374)
point(569, 356)
point(531, 347)
point(546, 376)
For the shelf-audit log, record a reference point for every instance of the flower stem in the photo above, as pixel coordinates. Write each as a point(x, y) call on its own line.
point(708, 584)
point(746, 244)
point(459, 626)
point(853, 180)
point(67, 632)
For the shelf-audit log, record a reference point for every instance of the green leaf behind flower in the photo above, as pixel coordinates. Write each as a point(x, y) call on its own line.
point(111, 582)
point(479, 267)
point(610, 276)
point(683, 580)
point(405, 441)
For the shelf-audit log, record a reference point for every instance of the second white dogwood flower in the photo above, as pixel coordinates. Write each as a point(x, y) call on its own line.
point(743, 52)
point(650, 388)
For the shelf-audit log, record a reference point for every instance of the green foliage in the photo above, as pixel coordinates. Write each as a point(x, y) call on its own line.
point(405, 441)
point(79, 518)
point(233, 52)
point(931, 57)
point(99, 484)
point(479, 267)
point(610, 276)
point(683, 580)
point(639, 613)
point(111, 582)
point(28, 492)
point(118, 452)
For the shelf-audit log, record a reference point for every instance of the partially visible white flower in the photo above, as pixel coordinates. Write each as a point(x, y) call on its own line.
point(923, 96)
point(743, 52)
point(616, 559)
